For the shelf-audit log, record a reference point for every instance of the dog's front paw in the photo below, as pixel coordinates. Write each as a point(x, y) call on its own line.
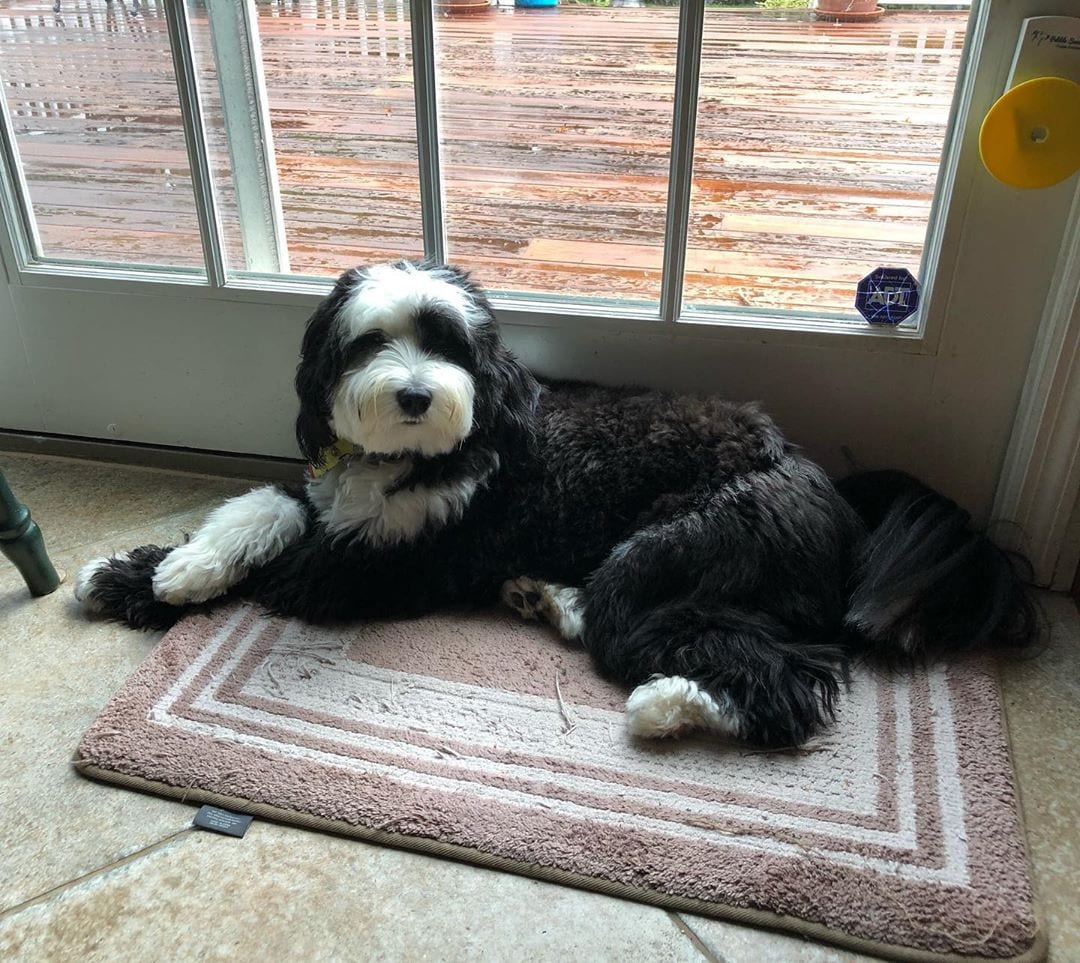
point(86, 592)
point(193, 573)
point(120, 588)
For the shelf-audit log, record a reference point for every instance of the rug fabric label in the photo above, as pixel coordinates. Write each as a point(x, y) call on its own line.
point(222, 821)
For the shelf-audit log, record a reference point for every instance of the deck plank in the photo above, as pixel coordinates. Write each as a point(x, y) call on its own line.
point(818, 144)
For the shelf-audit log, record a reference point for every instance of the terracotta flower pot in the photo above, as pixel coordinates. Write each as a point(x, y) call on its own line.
point(462, 8)
point(847, 10)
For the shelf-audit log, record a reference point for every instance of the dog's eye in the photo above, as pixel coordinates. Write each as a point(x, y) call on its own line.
point(363, 347)
point(444, 336)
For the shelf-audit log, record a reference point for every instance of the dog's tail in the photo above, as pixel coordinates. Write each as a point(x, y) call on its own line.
point(925, 582)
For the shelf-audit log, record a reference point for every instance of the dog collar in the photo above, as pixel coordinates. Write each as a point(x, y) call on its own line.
point(342, 450)
point(329, 457)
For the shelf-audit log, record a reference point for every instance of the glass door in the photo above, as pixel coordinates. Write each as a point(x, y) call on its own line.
point(685, 195)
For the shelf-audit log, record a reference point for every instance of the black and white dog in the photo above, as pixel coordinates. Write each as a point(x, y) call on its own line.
point(695, 554)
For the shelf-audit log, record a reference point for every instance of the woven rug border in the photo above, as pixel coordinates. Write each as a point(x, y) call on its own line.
point(1036, 953)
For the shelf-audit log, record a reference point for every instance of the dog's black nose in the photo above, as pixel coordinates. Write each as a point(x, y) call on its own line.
point(414, 401)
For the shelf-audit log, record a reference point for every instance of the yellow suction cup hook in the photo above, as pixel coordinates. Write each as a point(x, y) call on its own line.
point(1031, 136)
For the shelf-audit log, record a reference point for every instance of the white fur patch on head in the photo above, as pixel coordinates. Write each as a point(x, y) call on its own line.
point(366, 412)
point(672, 706)
point(242, 533)
point(389, 296)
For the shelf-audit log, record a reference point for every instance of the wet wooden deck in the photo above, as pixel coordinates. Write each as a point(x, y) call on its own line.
point(817, 151)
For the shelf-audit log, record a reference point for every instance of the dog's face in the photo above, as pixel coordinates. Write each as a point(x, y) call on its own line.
point(406, 346)
point(404, 360)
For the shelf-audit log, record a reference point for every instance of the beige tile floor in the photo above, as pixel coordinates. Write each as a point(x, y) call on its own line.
point(92, 872)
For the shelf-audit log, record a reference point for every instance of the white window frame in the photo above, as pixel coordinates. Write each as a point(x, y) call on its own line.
point(20, 247)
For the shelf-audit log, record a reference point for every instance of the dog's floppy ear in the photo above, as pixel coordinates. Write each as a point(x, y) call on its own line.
point(508, 393)
point(512, 393)
point(515, 394)
point(319, 370)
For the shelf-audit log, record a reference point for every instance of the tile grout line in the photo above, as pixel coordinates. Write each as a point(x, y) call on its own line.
point(100, 870)
point(691, 935)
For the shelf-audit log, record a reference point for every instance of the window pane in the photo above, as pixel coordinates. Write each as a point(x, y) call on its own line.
point(92, 99)
point(556, 132)
point(339, 92)
point(817, 151)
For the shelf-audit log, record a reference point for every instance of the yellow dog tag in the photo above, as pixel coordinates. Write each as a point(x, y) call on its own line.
point(329, 457)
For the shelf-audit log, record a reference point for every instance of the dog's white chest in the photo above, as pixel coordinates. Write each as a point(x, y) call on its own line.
point(352, 498)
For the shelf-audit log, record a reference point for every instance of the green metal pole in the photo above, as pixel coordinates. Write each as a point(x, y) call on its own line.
point(21, 541)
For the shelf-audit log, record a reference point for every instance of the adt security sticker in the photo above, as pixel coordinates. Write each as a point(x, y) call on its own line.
point(887, 296)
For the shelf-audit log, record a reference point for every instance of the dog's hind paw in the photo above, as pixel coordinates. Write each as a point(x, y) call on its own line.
point(558, 605)
point(524, 595)
point(668, 706)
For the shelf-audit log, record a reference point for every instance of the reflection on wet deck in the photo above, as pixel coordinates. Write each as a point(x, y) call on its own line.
point(817, 152)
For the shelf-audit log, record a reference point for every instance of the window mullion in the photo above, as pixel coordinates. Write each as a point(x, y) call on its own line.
point(195, 137)
point(681, 172)
point(238, 60)
point(20, 224)
point(425, 95)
